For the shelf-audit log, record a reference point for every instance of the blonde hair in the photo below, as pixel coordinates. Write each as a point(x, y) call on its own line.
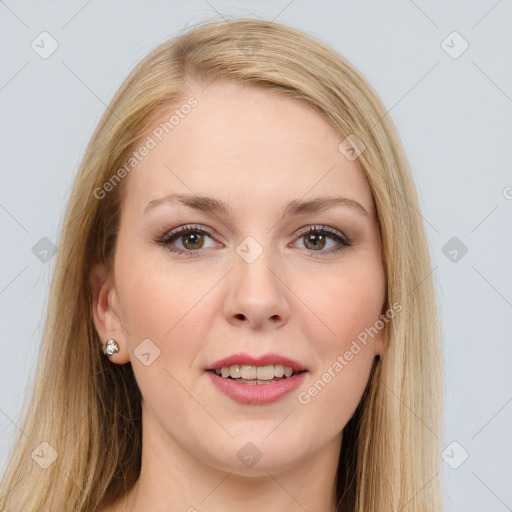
point(88, 409)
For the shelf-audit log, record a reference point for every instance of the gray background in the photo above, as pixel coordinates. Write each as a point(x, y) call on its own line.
point(453, 115)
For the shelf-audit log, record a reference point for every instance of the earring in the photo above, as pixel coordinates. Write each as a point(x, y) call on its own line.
point(111, 347)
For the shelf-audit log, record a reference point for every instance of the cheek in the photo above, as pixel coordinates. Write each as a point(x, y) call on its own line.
point(343, 304)
point(336, 386)
point(346, 307)
point(156, 300)
point(331, 397)
point(165, 308)
point(173, 309)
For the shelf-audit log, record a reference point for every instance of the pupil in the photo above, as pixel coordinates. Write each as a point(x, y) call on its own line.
point(317, 238)
point(197, 237)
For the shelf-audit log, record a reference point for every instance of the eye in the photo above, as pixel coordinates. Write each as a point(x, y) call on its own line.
point(316, 237)
point(191, 237)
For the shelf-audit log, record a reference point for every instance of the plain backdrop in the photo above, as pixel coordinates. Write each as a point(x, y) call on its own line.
point(442, 70)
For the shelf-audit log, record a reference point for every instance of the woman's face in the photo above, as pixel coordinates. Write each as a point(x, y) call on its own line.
point(250, 280)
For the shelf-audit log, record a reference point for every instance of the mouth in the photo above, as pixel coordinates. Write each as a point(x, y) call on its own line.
point(256, 375)
point(258, 390)
point(246, 369)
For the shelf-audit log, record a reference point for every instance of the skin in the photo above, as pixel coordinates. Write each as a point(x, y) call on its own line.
point(256, 151)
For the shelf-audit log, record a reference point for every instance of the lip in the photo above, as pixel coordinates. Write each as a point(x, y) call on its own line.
point(263, 360)
point(258, 394)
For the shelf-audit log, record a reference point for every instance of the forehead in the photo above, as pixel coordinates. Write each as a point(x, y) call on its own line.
point(244, 144)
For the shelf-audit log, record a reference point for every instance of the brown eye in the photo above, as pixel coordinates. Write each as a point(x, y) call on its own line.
point(315, 241)
point(192, 239)
point(195, 240)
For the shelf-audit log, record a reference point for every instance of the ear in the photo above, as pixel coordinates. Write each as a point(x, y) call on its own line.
point(378, 342)
point(384, 316)
point(106, 312)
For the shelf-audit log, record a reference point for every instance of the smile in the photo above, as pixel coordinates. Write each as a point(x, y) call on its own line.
point(251, 374)
point(256, 391)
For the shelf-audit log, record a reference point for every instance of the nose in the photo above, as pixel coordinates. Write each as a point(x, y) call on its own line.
point(257, 296)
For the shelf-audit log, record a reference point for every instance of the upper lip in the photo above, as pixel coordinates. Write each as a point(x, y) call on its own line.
point(262, 360)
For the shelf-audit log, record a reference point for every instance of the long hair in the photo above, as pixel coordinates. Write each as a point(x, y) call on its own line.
point(86, 412)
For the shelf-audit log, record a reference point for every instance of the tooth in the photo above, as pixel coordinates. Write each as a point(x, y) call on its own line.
point(278, 370)
point(249, 372)
point(265, 372)
point(235, 371)
point(288, 371)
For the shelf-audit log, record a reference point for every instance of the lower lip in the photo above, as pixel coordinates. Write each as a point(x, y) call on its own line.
point(258, 394)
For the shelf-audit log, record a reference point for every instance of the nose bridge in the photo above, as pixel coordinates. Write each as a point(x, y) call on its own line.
point(257, 292)
point(252, 273)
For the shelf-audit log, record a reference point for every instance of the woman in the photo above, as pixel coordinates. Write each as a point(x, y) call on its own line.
point(242, 309)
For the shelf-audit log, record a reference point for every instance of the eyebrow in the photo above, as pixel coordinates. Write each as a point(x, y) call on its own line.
point(294, 207)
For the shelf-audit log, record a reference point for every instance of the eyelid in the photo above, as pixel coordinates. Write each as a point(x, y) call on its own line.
point(323, 228)
point(342, 240)
point(186, 228)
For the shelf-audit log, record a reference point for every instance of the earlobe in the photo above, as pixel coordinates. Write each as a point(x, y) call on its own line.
point(106, 312)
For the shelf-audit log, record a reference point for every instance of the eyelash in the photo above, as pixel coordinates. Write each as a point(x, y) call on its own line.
point(169, 237)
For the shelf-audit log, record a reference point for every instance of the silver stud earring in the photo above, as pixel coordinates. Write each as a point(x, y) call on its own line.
point(111, 347)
